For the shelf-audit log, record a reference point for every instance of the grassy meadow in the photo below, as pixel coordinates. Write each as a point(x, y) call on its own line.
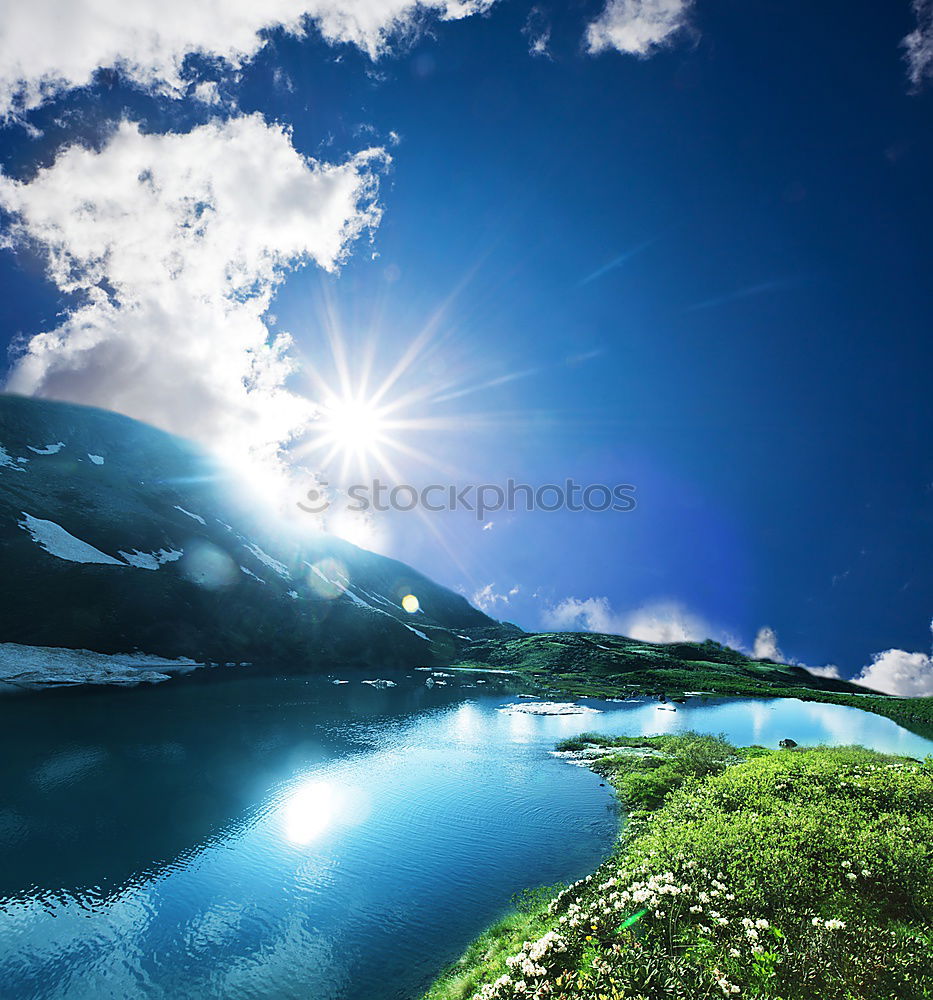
point(791, 874)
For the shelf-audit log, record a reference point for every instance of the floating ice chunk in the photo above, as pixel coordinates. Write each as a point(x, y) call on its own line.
point(197, 517)
point(549, 708)
point(96, 459)
point(57, 542)
point(293, 594)
point(380, 683)
point(32, 667)
point(49, 449)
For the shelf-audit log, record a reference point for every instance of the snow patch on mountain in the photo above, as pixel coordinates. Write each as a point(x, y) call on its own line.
point(420, 635)
point(32, 667)
point(60, 543)
point(267, 560)
point(356, 600)
point(151, 560)
point(49, 449)
point(249, 572)
point(410, 628)
point(6, 461)
point(96, 459)
point(197, 517)
point(381, 600)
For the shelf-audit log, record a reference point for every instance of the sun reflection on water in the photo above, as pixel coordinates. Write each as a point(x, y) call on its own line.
point(309, 811)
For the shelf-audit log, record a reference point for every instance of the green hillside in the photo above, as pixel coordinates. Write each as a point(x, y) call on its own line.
point(611, 666)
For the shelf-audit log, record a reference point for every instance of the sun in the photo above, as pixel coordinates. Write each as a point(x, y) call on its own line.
point(353, 425)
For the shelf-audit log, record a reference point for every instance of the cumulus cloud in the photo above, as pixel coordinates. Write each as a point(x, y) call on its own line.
point(895, 671)
point(665, 621)
point(169, 249)
point(766, 647)
point(637, 27)
point(919, 44)
point(48, 46)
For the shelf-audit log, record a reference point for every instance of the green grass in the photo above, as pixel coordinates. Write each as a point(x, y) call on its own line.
point(790, 875)
point(485, 959)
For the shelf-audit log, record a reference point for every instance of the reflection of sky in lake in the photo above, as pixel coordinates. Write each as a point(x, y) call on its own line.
point(287, 841)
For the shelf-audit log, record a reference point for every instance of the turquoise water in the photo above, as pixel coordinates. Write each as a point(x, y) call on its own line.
point(285, 838)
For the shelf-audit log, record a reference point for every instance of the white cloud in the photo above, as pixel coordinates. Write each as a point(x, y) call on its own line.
point(592, 614)
point(830, 670)
point(766, 647)
point(637, 27)
point(665, 621)
point(895, 671)
point(537, 30)
point(47, 46)
point(919, 44)
point(170, 247)
point(487, 598)
point(898, 672)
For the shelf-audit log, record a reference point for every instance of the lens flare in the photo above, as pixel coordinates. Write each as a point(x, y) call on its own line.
point(411, 604)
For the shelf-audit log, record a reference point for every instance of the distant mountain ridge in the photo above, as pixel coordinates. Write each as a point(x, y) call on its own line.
point(117, 537)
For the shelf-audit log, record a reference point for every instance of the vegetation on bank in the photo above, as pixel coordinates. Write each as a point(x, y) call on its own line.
point(777, 874)
point(610, 666)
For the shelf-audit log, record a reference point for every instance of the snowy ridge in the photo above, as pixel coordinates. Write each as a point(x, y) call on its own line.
point(162, 503)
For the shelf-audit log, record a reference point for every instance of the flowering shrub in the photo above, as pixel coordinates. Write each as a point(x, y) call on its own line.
point(800, 876)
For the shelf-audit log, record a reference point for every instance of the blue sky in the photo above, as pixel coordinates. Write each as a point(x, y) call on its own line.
point(702, 269)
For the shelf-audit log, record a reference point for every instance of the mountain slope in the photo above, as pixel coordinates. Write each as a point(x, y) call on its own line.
point(613, 665)
point(117, 537)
